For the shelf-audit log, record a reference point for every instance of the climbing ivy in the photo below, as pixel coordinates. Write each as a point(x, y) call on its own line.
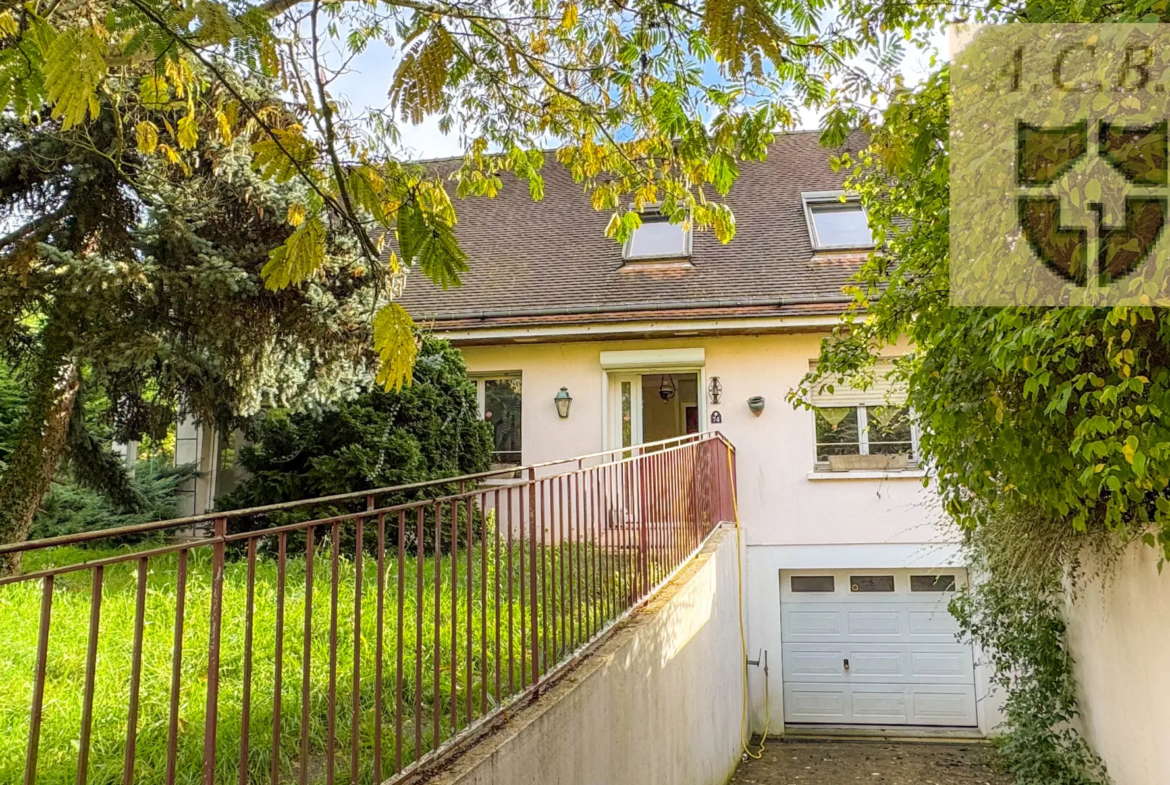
point(1025, 566)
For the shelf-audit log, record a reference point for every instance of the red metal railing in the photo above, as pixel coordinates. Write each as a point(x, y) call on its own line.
point(433, 616)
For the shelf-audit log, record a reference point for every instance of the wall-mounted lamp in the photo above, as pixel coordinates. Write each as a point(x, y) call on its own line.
point(714, 391)
point(563, 400)
point(756, 404)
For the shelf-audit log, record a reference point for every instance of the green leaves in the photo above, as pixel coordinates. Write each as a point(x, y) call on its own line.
point(301, 256)
point(146, 134)
point(723, 170)
point(282, 155)
point(153, 91)
point(74, 65)
point(742, 33)
point(626, 92)
point(417, 88)
point(188, 133)
point(395, 343)
point(427, 238)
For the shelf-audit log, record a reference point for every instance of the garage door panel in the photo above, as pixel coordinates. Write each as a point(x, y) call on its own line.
point(813, 703)
point(853, 621)
point(905, 664)
point(879, 704)
point(821, 624)
point(811, 663)
point(876, 704)
point(814, 663)
point(871, 623)
point(936, 707)
point(865, 663)
point(945, 663)
point(878, 663)
point(842, 622)
point(933, 623)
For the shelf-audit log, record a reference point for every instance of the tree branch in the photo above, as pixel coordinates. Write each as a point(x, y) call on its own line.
point(329, 201)
point(331, 139)
point(31, 227)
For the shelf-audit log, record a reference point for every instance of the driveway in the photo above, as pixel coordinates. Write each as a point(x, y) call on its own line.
point(889, 763)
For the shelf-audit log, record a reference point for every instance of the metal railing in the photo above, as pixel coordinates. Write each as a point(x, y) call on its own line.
point(233, 659)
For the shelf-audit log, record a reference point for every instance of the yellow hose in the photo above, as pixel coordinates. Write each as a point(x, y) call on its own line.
point(743, 635)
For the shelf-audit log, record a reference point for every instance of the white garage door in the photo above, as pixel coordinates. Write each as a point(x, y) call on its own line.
point(871, 647)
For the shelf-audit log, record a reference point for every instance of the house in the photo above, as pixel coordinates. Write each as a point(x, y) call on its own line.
point(578, 344)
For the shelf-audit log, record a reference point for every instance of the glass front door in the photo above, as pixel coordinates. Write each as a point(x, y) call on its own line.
point(650, 407)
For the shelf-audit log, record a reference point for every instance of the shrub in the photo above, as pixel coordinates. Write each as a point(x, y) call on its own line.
point(69, 508)
point(13, 405)
point(429, 430)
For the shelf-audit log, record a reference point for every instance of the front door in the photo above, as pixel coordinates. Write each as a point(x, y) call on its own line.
point(651, 407)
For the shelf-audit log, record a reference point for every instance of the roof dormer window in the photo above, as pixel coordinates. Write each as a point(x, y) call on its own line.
point(657, 238)
point(834, 224)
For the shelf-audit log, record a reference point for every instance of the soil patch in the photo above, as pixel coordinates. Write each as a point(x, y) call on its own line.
point(888, 763)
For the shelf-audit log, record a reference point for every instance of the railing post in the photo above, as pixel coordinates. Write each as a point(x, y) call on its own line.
point(532, 576)
point(732, 484)
point(34, 732)
point(218, 533)
point(642, 478)
point(696, 524)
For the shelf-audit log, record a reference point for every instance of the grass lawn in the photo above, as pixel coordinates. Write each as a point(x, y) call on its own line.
point(60, 732)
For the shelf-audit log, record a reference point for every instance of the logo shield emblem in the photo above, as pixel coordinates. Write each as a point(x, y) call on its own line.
point(1046, 155)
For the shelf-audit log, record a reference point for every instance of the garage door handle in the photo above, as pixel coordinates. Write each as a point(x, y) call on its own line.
point(846, 664)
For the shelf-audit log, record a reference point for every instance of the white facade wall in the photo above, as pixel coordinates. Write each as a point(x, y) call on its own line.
point(792, 519)
point(1119, 633)
point(779, 502)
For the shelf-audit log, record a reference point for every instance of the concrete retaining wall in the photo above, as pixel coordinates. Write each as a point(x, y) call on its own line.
point(659, 702)
point(1119, 632)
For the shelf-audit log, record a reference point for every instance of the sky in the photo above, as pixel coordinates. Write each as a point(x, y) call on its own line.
point(368, 79)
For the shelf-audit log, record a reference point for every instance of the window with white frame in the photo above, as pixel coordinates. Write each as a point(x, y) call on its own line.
point(499, 398)
point(865, 429)
point(835, 221)
point(658, 238)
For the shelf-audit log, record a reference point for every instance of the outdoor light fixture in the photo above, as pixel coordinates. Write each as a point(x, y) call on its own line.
point(666, 389)
point(563, 400)
point(714, 391)
point(756, 404)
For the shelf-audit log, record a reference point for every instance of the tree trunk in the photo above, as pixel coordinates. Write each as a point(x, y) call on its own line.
point(37, 451)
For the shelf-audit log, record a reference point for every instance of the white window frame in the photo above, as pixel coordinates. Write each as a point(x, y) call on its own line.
point(863, 435)
point(481, 399)
point(811, 198)
point(654, 211)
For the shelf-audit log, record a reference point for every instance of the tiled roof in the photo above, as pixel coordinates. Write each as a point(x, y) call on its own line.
point(550, 259)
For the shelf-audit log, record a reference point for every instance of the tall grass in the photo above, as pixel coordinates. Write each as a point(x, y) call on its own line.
point(60, 732)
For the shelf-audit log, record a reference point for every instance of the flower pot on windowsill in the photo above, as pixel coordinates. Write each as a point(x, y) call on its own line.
point(874, 463)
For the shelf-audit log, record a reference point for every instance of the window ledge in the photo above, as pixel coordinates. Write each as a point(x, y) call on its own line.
point(645, 264)
point(908, 474)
